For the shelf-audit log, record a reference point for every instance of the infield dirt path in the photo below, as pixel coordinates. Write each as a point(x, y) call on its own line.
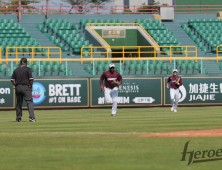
point(198, 133)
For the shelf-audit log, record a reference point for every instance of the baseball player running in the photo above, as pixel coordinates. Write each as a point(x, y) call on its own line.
point(176, 82)
point(112, 80)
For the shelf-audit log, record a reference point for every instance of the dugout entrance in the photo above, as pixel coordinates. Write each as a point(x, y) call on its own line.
point(124, 39)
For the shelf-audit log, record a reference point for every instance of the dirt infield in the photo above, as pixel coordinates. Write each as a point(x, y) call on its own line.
point(198, 133)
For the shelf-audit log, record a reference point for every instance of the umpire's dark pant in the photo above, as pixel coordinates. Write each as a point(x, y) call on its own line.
point(25, 92)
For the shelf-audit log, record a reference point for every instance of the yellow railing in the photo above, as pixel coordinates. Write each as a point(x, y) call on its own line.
point(122, 24)
point(32, 51)
point(0, 54)
point(111, 59)
point(218, 51)
point(140, 51)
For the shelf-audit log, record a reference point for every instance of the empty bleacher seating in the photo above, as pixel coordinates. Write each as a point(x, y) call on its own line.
point(64, 35)
point(13, 35)
point(161, 35)
point(206, 33)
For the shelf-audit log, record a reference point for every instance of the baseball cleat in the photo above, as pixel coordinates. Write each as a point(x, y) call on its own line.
point(172, 109)
point(113, 114)
point(32, 120)
point(175, 110)
point(18, 120)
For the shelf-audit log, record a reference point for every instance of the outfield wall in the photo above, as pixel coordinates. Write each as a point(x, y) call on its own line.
point(137, 91)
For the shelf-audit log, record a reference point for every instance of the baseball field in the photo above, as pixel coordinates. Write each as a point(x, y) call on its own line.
point(90, 139)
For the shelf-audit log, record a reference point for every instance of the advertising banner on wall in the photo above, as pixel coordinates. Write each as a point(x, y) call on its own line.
point(7, 95)
point(132, 92)
point(197, 91)
point(60, 93)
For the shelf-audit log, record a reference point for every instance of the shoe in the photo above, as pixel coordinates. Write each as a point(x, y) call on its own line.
point(32, 120)
point(18, 120)
point(175, 110)
point(172, 109)
point(113, 114)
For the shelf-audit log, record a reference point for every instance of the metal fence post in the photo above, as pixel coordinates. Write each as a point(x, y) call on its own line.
point(93, 67)
point(174, 64)
point(66, 68)
point(120, 66)
point(39, 67)
point(201, 66)
point(147, 66)
point(11, 67)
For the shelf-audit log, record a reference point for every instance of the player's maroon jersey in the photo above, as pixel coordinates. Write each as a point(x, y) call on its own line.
point(173, 84)
point(109, 77)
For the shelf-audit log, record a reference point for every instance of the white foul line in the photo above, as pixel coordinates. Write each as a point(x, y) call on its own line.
point(91, 133)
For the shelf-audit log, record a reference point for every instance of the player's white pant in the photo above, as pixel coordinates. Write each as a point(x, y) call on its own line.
point(111, 96)
point(174, 96)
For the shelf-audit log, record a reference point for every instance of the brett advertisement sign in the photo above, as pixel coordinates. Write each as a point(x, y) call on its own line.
point(60, 93)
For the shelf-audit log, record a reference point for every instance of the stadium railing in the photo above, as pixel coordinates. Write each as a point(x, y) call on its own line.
point(219, 47)
point(105, 9)
point(147, 59)
point(32, 51)
point(182, 49)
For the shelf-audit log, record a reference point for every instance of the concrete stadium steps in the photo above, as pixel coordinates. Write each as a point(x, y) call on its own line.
point(212, 67)
point(33, 18)
point(182, 37)
point(9, 16)
point(35, 33)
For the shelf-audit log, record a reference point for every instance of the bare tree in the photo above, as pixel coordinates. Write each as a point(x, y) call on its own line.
point(92, 3)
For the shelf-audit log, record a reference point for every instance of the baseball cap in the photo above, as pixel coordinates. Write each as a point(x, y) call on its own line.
point(23, 60)
point(111, 65)
point(175, 70)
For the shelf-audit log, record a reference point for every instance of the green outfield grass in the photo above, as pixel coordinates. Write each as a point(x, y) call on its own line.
point(93, 140)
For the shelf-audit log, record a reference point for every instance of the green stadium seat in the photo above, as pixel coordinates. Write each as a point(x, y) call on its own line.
point(70, 73)
point(75, 27)
point(151, 67)
point(87, 68)
point(55, 68)
point(131, 68)
point(106, 67)
point(196, 66)
point(44, 30)
point(138, 68)
point(2, 68)
point(62, 68)
point(39, 27)
point(34, 68)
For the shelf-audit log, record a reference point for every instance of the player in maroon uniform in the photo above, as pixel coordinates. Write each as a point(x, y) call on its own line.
point(176, 82)
point(111, 86)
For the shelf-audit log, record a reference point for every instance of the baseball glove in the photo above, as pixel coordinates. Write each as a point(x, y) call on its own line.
point(115, 83)
point(178, 80)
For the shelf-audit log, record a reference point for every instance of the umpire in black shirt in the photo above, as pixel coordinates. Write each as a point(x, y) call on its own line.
point(22, 79)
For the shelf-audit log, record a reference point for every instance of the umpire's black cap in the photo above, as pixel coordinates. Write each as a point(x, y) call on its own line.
point(23, 60)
